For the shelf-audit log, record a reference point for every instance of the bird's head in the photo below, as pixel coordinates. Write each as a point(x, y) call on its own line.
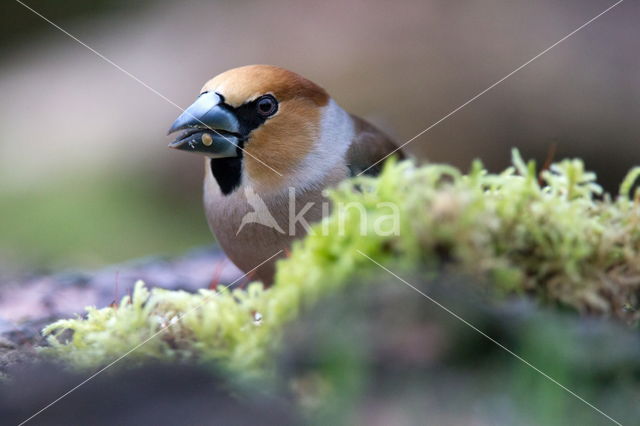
point(265, 119)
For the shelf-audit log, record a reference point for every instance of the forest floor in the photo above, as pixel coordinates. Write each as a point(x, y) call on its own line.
point(28, 303)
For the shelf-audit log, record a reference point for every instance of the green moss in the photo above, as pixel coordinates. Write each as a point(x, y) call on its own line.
point(555, 238)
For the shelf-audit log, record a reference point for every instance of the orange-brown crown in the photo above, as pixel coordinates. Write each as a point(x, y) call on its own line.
point(244, 84)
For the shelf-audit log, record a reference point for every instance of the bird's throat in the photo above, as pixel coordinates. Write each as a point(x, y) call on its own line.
point(227, 172)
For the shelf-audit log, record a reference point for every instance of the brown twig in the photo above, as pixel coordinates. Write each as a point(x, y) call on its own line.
point(116, 291)
point(551, 153)
point(217, 273)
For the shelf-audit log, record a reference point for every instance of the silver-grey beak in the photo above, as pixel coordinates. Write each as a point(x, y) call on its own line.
point(208, 128)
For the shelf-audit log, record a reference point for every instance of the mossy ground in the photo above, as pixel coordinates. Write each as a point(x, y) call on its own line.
point(552, 235)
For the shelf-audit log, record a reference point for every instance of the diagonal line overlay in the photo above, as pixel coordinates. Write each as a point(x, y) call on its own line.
point(173, 321)
point(493, 85)
point(109, 61)
point(500, 345)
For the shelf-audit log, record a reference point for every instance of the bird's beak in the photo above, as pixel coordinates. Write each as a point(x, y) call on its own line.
point(208, 128)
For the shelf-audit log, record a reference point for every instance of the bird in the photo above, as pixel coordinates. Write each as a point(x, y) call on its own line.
point(273, 141)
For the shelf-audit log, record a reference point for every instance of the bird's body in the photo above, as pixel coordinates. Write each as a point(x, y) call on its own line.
point(257, 242)
point(291, 142)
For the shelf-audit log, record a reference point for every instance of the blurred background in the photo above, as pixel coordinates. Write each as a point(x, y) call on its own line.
point(86, 178)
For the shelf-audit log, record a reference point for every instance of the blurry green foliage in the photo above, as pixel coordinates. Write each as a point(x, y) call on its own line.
point(97, 221)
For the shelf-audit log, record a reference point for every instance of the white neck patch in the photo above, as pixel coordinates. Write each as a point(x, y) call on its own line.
point(336, 134)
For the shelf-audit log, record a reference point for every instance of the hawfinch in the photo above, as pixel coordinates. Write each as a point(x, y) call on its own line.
point(272, 142)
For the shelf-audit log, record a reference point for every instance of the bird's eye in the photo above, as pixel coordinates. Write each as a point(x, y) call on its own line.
point(267, 105)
